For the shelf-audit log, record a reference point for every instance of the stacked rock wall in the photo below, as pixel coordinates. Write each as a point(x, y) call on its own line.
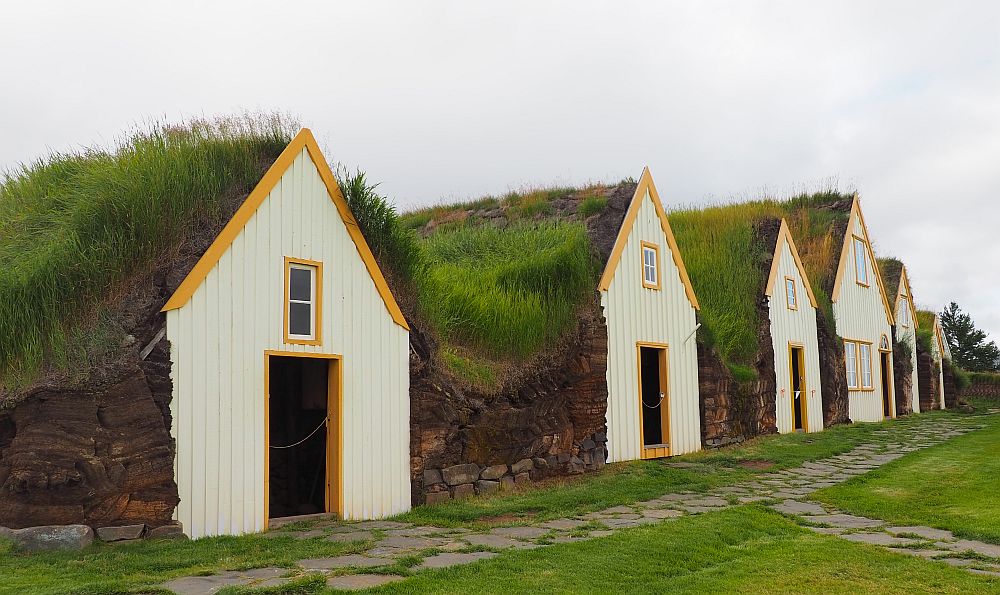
point(551, 421)
point(928, 380)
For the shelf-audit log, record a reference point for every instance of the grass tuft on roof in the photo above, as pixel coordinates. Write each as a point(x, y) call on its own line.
point(728, 262)
point(74, 224)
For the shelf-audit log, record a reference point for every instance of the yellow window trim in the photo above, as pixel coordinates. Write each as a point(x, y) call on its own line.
point(642, 254)
point(664, 362)
point(845, 253)
point(795, 294)
point(318, 306)
point(785, 235)
point(864, 262)
point(861, 387)
point(646, 184)
point(303, 140)
point(334, 496)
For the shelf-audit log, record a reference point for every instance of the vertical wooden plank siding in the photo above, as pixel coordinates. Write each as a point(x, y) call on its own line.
point(938, 358)
point(908, 334)
point(860, 316)
point(218, 340)
point(798, 327)
point(638, 314)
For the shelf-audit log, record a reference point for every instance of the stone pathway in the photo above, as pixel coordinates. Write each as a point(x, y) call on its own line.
point(394, 549)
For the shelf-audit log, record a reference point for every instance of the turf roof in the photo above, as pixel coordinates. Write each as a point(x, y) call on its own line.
point(75, 226)
point(891, 270)
point(728, 256)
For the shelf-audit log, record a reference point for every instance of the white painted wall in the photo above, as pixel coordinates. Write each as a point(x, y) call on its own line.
point(794, 326)
point(218, 341)
point(860, 315)
point(634, 314)
point(908, 334)
point(938, 359)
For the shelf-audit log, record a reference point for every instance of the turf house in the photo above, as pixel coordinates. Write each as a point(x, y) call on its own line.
point(650, 308)
point(904, 335)
point(932, 349)
point(864, 321)
point(248, 360)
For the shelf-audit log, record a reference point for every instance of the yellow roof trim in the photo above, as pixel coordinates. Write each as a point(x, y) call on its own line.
point(785, 234)
point(303, 140)
point(646, 184)
point(856, 214)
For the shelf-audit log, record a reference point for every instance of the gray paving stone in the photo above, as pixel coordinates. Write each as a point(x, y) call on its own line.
point(796, 507)
point(520, 532)
point(381, 525)
point(846, 521)
point(352, 536)
point(449, 559)
point(412, 532)
point(710, 501)
point(827, 530)
point(622, 523)
point(563, 524)
point(662, 513)
point(921, 553)
point(883, 539)
point(348, 561)
point(751, 499)
point(410, 542)
point(983, 549)
point(568, 539)
point(619, 510)
point(925, 532)
point(204, 585)
point(351, 582)
point(497, 541)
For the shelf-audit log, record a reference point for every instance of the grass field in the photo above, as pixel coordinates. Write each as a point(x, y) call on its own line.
point(741, 550)
point(952, 486)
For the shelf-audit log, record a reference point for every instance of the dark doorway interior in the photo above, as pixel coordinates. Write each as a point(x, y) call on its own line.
point(651, 370)
point(298, 389)
point(798, 390)
point(886, 393)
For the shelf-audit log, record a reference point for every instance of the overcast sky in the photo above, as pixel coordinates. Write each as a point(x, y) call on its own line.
point(449, 100)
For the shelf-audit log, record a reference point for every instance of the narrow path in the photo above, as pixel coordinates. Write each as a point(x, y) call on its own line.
point(395, 546)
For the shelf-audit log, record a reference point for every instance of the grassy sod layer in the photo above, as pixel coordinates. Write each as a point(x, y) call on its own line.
point(952, 486)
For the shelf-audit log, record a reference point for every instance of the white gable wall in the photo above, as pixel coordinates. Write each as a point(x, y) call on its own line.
point(908, 334)
point(218, 340)
point(798, 327)
point(635, 314)
point(860, 315)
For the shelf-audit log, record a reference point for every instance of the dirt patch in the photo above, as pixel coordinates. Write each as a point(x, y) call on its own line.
point(756, 464)
point(508, 519)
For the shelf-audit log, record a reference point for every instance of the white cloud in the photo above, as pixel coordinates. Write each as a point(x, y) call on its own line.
point(456, 99)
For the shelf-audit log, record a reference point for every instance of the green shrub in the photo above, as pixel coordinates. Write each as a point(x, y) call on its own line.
point(984, 377)
point(74, 224)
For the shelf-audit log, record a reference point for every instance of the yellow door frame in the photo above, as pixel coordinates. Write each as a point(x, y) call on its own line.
point(888, 392)
point(803, 400)
point(655, 453)
point(334, 496)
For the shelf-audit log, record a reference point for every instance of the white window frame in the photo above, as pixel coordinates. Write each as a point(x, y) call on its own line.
point(791, 297)
point(861, 262)
point(862, 348)
point(315, 270)
point(851, 359)
point(648, 268)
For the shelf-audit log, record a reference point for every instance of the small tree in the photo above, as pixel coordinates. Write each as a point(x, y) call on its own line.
point(969, 345)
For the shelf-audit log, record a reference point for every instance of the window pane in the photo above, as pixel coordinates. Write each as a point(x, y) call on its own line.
point(850, 355)
point(790, 289)
point(859, 261)
point(300, 284)
point(300, 319)
point(866, 366)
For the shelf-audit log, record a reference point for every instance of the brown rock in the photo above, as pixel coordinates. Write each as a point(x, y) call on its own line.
point(172, 530)
point(522, 478)
point(460, 474)
point(120, 533)
point(437, 497)
point(493, 472)
point(465, 490)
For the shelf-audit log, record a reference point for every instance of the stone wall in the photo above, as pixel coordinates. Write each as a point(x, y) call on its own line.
point(832, 373)
point(979, 388)
point(99, 455)
point(950, 387)
point(551, 414)
point(928, 381)
point(902, 371)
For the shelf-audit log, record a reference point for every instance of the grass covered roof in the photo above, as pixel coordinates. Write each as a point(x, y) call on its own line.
point(728, 251)
point(74, 226)
point(891, 270)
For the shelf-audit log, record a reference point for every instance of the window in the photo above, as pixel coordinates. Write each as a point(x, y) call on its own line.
point(650, 265)
point(791, 298)
point(866, 365)
point(303, 304)
point(851, 356)
point(904, 315)
point(861, 261)
point(858, 356)
point(883, 343)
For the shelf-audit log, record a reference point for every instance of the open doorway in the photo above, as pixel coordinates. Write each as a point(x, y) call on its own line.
point(886, 365)
point(654, 401)
point(796, 356)
point(301, 421)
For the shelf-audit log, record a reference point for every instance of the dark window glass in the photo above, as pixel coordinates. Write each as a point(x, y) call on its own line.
point(300, 284)
point(299, 319)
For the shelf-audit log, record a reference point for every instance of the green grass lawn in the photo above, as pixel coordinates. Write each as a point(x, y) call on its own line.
point(952, 486)
point(742, 550)
point(135, 567)
point(635, 481)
